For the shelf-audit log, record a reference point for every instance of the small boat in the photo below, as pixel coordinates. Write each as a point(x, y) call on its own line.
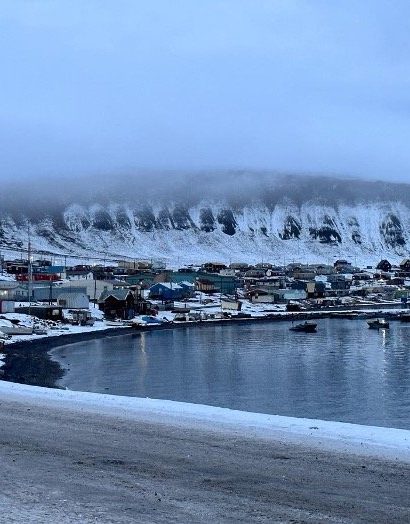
point(243, 315)
point(38, 330)
point(305, 327)
point(114, 323)
point(9, 328)
point(378, 323)
point(145, 320)
point(404, 317)
point(149, 319)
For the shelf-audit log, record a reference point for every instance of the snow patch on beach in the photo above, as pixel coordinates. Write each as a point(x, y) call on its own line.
point(379, 442)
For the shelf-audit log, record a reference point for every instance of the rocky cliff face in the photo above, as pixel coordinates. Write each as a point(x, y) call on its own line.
point(214, 231)
point(282, 226)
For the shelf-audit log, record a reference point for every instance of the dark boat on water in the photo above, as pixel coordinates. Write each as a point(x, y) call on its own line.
point(404, 317)
point(305, 327)
point(378, 323)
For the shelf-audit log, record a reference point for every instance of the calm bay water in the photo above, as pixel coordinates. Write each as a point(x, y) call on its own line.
point(344, 372)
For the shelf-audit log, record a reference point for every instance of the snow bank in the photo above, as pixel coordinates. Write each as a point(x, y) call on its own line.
point(373, 441)
point(61, 330)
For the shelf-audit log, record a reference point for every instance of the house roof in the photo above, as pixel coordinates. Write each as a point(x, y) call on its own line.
point(168, 285)
point(119, 294)
point(71, 296)
point(259, 291)
point(8, 284)
point(205, 281)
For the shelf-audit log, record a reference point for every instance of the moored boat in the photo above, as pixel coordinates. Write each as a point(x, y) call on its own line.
point(305, 327)
point(378, 323)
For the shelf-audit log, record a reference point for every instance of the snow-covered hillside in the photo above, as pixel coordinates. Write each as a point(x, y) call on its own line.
point(292, 225)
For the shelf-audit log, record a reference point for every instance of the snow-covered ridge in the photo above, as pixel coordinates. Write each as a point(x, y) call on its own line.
point(212, 230)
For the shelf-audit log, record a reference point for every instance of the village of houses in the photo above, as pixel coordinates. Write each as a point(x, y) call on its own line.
point(42, 299)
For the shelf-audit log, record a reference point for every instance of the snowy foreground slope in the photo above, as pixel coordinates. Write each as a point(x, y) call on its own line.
point(308, 220)
point(335, 436)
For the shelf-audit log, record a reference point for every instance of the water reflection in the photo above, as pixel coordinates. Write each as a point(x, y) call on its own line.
point(344, 372)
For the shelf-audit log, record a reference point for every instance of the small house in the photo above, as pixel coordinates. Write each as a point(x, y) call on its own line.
point(117, 303)
point(338, 282)
point(188, 287)
point(205, 286)
point(213, 267)
point(254, 273)
point(384, 265)
point(73, 300)
point(239, 266)
point(79, 274)
point(261, 296)
point(45, 312)
point(7, 289)
point(342, 266)
point(166, 291)
point(315, 289)
point(405, 264)
point(50, 293)
point(16, 267)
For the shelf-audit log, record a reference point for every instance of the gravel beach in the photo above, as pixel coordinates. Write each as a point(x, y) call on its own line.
point(71, 464)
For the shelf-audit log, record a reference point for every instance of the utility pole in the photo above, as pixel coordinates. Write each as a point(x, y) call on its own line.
point(30, 272)
point(50, 297)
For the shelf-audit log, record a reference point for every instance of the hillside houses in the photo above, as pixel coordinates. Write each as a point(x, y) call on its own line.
point(126, 289)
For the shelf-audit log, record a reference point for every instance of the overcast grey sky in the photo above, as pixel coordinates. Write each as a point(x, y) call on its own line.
point(289, 85)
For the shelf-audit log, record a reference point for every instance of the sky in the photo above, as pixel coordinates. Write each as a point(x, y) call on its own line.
point(122, 86)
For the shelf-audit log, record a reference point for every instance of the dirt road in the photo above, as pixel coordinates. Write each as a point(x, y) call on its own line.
point(67, 466)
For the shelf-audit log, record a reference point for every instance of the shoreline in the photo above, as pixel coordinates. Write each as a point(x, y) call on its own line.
point(86, 457)
point(315, 434)
point(391, 313)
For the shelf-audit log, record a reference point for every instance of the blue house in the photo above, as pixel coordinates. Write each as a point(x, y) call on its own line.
point(188, 287)
point(167, 291)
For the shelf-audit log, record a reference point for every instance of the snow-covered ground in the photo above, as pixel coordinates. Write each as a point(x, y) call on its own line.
point(281, 233)
point(336, 436)
point(58, 329)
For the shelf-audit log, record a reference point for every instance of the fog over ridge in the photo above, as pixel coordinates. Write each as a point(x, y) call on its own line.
point(46, 196)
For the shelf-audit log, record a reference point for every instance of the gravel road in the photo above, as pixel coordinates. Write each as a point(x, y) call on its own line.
point(64, 466)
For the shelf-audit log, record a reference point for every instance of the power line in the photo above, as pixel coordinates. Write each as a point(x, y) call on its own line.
point(63, 255)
